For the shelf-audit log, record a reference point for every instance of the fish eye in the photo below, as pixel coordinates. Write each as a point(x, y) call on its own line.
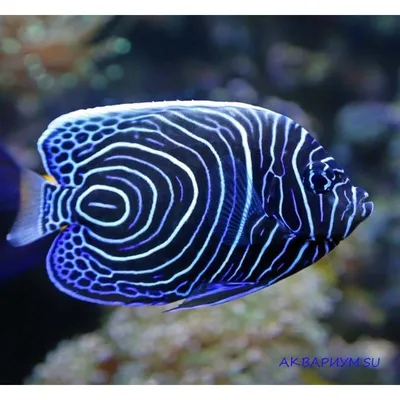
point(319, 177)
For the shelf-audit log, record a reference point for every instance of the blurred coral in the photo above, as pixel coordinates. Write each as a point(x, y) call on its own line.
point(242, 342)
point(290, 66)
point(47, 54)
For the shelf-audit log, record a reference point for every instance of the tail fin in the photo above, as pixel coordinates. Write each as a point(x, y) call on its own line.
point(27, 227)
point(20, 200)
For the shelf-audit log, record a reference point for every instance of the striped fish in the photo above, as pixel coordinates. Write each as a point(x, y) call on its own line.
point(196, 200)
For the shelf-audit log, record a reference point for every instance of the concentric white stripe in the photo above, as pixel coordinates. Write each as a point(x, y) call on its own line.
point(97, 221)
point(183, 220)
point(152, 208)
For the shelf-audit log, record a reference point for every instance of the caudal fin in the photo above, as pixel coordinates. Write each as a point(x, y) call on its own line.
point(14, 261)
point(27, 227)
point(20, 201)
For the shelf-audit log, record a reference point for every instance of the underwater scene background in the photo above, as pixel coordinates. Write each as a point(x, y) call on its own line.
point(337, 76)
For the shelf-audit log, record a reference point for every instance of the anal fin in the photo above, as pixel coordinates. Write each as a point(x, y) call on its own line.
point(212, 294)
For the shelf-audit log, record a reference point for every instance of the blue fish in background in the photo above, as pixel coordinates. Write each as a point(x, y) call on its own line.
point(186, 200)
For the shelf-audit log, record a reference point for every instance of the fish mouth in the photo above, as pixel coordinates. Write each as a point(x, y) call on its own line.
point(366, 206)
point(365, 197)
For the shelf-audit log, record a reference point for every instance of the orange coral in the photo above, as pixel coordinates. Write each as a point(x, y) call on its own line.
point(35, 50)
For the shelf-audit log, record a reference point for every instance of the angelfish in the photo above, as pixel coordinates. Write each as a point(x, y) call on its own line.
point(198, 201)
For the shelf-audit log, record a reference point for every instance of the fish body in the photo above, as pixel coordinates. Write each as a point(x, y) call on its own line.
point(195, 200)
